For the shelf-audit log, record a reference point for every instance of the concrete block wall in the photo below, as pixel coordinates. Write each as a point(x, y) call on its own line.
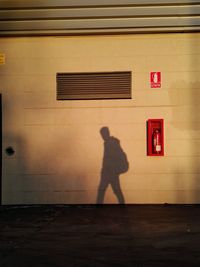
point(58, 147)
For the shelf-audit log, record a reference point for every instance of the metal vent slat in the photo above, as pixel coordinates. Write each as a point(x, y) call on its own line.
point(100, 85)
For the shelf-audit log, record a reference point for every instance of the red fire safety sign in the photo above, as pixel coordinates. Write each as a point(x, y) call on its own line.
point(155, 79)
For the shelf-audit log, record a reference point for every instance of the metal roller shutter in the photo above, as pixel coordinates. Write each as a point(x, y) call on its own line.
point(75, 17)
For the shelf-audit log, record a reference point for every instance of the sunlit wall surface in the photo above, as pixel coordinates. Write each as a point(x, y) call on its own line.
point(57, 146)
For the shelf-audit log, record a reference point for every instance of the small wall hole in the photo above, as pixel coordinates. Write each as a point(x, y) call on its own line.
point(10, 151)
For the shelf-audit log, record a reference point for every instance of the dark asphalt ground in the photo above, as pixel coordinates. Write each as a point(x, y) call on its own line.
point(100, 236)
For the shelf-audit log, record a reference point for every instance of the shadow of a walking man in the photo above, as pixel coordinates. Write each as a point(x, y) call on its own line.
point(114, 163)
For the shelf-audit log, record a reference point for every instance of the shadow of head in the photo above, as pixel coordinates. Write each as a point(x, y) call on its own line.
point(105, 133)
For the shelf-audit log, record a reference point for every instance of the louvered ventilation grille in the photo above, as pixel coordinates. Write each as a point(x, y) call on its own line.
point(106, 85)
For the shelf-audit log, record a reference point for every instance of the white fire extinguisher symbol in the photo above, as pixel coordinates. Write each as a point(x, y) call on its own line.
point(155, 77)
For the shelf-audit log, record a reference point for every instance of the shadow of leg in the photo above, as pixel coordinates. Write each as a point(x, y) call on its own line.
point(117, 189)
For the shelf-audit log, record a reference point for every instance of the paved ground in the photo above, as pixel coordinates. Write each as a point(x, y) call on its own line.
point(100, 236)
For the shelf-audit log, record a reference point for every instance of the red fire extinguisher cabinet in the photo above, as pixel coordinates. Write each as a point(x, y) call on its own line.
point(155, 137)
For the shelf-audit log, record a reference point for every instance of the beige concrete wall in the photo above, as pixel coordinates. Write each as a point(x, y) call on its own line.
point(58, 146)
